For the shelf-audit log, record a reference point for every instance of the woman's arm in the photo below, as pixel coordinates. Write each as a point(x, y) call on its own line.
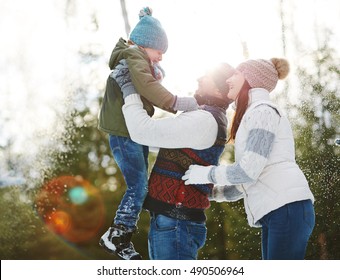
point(226, 194)
point(261, 125)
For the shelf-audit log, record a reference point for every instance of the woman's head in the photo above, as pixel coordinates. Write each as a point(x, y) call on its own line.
point(262, 73)
point(258, 73)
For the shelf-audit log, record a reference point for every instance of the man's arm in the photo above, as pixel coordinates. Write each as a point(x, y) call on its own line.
point(195, 129)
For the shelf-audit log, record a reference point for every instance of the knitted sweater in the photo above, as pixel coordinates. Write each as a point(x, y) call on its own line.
point(168, 195)
point(265, 169)
point(202, 131)
point(195, 129)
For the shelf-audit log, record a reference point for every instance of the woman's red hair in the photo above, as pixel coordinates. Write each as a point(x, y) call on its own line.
point(241, 107)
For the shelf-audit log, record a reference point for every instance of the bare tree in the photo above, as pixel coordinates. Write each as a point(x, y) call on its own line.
point(125, 17)
point(283, 27)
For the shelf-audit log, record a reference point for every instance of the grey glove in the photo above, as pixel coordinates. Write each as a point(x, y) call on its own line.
point(159, 72)
point(185, 104)
point(225, 193)
point(121, 75)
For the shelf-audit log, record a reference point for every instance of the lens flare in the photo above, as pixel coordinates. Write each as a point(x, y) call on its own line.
point(71, 207)
point(59, 222)
point(78, 195)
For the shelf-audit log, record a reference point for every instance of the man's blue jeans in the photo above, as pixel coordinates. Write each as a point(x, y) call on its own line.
point(173, 239)
point(286, 231)
point(132, 160)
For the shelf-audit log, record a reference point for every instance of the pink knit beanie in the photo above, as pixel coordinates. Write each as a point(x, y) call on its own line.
point(263, 73)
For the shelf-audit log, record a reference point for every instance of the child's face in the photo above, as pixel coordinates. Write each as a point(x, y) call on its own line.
point(155, 56)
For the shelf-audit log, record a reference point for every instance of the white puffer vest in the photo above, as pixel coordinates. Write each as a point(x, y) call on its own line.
point(281, 181)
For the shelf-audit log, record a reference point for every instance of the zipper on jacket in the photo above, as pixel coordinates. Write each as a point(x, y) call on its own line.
point(246, 194)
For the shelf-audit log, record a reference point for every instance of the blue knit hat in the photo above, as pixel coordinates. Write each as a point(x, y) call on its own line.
point(148, 32)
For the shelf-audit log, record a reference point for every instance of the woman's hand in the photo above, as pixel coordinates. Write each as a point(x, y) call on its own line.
point(197, 174)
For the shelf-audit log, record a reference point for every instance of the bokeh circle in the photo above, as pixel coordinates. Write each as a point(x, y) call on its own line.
point(71, 207)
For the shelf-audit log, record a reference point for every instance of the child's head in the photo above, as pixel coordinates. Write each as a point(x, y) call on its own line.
point(149, 33)
point(154, 55)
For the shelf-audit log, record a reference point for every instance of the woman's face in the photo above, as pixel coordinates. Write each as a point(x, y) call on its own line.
point(235, 83)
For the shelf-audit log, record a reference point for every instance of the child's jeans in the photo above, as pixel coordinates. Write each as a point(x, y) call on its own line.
point(132, 159)
point(286, 231)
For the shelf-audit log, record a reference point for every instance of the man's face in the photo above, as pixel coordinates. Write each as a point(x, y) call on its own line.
point(206, 86)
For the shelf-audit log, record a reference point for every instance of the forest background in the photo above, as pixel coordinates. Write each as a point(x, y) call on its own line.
point(60, 186)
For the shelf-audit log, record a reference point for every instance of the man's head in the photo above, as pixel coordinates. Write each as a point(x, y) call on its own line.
point(212, 87)
point(149, 33)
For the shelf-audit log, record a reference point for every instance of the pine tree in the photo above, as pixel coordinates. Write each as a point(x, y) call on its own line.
point(316, 128)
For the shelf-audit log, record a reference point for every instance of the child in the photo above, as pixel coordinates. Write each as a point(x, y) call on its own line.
point(148, 42)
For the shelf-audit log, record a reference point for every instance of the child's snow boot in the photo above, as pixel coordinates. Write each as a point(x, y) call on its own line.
point(117, 240)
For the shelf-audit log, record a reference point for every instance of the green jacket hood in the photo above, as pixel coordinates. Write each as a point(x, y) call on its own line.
point(121, 51)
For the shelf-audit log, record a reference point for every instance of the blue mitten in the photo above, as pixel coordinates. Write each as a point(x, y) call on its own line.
point(121, 75)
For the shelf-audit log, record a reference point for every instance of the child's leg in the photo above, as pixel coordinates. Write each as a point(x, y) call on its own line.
point(131, 158)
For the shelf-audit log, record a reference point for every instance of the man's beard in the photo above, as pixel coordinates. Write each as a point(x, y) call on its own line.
point(206, 99)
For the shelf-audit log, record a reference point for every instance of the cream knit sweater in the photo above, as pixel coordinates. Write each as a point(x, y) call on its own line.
point(194, 129)
point(265, 170)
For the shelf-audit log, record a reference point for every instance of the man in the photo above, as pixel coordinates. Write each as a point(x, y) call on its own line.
point(177, 229)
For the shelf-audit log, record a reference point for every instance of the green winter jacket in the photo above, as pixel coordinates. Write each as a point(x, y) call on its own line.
point(111, 118)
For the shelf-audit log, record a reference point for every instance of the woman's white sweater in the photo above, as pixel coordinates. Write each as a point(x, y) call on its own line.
point(265, 170)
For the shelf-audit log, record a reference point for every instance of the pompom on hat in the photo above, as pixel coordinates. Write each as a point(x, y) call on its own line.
point(149, 32)
point(263, 73)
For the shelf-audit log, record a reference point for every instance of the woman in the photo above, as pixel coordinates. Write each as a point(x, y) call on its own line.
point(275, 191)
